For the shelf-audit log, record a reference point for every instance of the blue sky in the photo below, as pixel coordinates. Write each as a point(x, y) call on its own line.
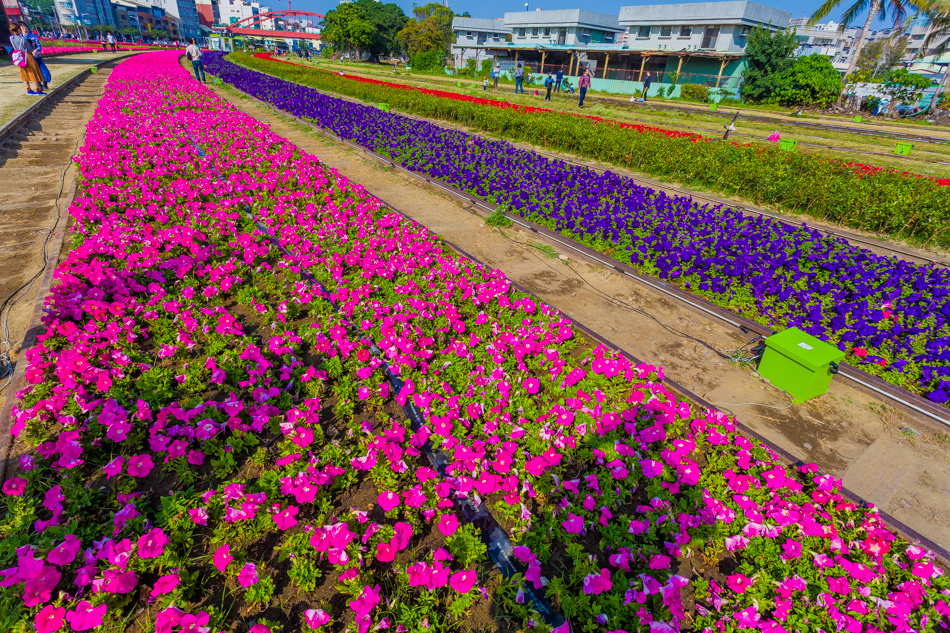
point(497, 8)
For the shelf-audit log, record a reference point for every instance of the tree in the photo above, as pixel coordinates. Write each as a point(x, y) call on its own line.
point(904, 87)
point(431, 30)
point(768, 55)
point(810, 81)
point(895, 51)
point(347, 29)
point(387, 20)
point(870, 58)
point(878, 8)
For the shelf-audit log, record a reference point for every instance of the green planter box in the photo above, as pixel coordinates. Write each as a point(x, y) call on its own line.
point(787, 144)
point(858, 119)
point(383, 106)
point(713, 107)
point(799, 363)
point(903, 149)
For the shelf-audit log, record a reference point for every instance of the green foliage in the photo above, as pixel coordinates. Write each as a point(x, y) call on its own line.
point(768, 56)
point(431, 30)
point(466, 546)
point(886, 202)
point(364, 26)
point(695, 92)
point(429, 60)
point(498, 218)
point(811, 81)
point(904, 86)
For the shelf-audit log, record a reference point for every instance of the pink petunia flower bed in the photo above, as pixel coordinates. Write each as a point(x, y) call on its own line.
point(265, 402)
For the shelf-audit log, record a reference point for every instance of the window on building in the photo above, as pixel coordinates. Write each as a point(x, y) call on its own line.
point(643, 32)
point(547, 31)
point(666, 31)
point(744, 31)
point(468, 34)
point(534, 32)
point(608, 37)
point(585, 33)
point(520, 32)
point(686, 31)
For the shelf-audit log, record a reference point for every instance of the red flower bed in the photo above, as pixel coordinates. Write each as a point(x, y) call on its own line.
point(499, 104)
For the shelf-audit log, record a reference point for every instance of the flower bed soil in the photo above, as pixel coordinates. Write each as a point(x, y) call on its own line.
point(265, 403)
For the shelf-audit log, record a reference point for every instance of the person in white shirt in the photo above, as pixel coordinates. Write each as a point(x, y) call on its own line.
point(110, 40)
point(194, 54)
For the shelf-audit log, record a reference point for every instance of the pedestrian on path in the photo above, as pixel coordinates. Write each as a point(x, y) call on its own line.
point(194, 54)
point(583, 83)
point(30, 72)
point(558, 79)
point(646, 86)
point(519, 79)
point(496, 74)
point(484, 84)
point(110, 39)
point(549, 84)
point(38, 56)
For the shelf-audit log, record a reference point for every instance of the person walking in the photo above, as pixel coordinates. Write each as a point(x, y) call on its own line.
point(38, 56)
point(646, 86)
point(558, 79)
point(102, 40)
point(519, 79)
point(23, 57)
point(194, 54)
point(583, 84)
point(484, 84)
point(495, 75)
point(549, 84)
point(110, 40)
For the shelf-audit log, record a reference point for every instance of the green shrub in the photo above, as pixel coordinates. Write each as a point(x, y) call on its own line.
point(429, 60)
point(810, 81)
point(695, 92)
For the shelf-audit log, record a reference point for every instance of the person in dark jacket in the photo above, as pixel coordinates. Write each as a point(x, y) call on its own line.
point(549, 84)
point(646, 85)
point(558, 79)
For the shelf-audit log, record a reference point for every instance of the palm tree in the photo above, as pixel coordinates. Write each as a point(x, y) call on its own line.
point(896, 9)
point(938, 12)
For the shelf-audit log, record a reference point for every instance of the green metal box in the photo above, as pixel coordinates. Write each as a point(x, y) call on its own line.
point(799, 363)
point(714, 107)
point(787, 144)
point(903, 149)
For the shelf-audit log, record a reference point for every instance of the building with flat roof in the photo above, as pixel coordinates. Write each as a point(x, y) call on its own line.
point(825, 39)
point(701, 42)
point(473, 34)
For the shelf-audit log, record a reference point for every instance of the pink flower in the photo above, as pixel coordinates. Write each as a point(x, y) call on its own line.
point(285, 520)
point(259, 628)
point(463, 581)
point(49, 619)
point(651, 468)
point(165, 584)
point(14, 486)
point(388, 500)
point(221, 558)
point(574, 524)
point(739, 582)
point(64, 553)
point(140, 465)
point(199, 515)
point(114, 467)
point(315, 618)
point(366, 601)
point(248, 575)
point(659, 561)
point(448, 524)
point(152, 544)
point(85, 616)
point(598, 583)
point(531, 385)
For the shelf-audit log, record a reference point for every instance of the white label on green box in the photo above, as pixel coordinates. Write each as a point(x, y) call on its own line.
point(805, 346)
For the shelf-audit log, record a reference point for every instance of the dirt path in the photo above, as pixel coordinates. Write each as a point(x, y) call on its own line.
point(899, 463)
point(38, 172)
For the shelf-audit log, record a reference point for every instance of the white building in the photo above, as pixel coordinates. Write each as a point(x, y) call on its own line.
point(563, 27)
point(825, 39)
point(472, 32)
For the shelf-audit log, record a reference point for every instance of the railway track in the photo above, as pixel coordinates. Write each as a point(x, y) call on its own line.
point(36, 151)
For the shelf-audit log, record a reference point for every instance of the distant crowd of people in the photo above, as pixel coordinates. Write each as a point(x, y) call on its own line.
point(553, 83)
